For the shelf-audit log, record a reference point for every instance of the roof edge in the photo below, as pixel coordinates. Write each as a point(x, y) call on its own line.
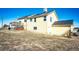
point(36, 15)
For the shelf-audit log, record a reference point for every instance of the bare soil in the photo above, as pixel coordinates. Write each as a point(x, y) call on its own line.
point(28, 41)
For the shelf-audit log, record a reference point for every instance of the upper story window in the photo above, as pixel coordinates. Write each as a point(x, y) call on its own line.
point(44, 18)
point(34, 19)
point(19, 22)
point(50, 19)
point(30, 19)
point(25, 20)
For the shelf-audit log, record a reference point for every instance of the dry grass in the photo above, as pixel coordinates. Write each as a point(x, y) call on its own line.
point(28, 41)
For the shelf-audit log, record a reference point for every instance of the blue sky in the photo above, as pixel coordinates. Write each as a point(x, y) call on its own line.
point(11, 14)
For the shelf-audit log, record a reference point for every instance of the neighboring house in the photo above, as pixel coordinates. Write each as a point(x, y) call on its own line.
point(13, 25)
point(23, 22)
point(16, 26)
point(43, 23)
point(5, 26)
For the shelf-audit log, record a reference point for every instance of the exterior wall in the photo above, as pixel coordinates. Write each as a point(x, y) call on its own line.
point(49, 24)
point(72, 28)
point(40, 24)
point(22, 20)
point(23, 23)
point(44, 27)
point(60, 30)
point(29, 25)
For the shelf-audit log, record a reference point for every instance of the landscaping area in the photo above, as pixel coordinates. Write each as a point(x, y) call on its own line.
point(13, 40)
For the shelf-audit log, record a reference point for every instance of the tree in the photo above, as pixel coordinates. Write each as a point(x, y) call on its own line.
point(5, 25)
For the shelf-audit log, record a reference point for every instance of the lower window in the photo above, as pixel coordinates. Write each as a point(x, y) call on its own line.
point(35, 28)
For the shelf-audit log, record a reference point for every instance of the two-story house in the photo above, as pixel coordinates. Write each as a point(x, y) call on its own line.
point(46, 23)
point(41, 23)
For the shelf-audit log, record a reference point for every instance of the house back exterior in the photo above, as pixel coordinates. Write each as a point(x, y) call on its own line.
point(43, 23)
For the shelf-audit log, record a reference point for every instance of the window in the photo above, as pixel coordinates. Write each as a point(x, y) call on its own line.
point(25, 20)
point(35, 28)
point(34, 19)
point(30, 19)
point(44, 18)
point(19, 22)
point(50, 19)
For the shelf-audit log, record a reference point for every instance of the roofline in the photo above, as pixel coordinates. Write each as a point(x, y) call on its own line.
point(37, 15)
point(67, 25)
point(63, 24)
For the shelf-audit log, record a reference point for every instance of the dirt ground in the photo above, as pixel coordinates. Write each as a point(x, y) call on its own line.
point(28, 41)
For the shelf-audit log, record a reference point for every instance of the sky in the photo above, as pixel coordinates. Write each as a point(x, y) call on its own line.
point(11, 14)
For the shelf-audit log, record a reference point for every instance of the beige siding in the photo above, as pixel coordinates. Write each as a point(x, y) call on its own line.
point(29, 25)
point(60, 30)
point(45, 27)
point(40, 24)
point(23, 23)
point(49, 24)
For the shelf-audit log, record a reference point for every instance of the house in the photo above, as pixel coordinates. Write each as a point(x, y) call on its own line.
point(41, 23)
point(45, 23)
point(5, 26)
point(13, 24)
point(16, 25)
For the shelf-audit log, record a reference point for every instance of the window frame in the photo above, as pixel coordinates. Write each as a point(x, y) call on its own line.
point(19, 21)
point(50, 19)
point(34, 19)
point(25, 20)
point(45, 18)
point(35, 27)
point(30, 19)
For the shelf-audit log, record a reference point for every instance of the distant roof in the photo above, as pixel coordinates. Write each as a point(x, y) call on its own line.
point(12, 22)
point(64, 22)
point(36, 15)
point(76, 28)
